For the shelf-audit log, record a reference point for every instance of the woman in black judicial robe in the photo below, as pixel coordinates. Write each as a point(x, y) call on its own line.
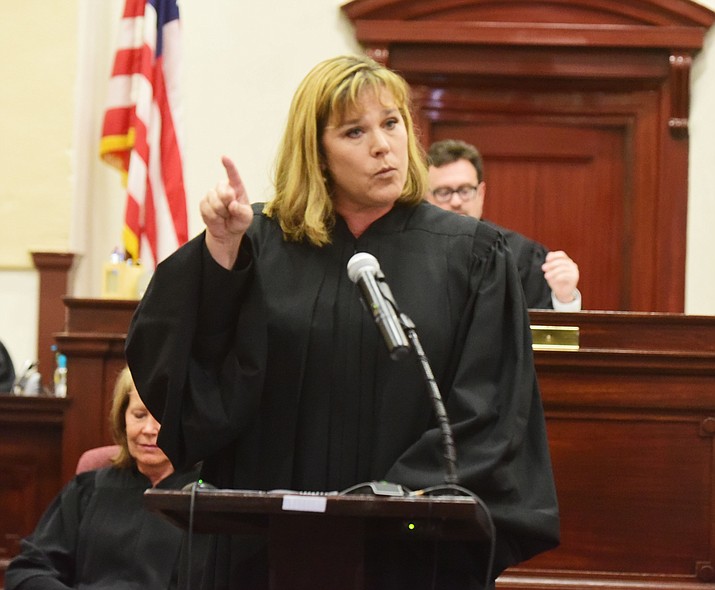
point(97, 534)
point(252, 345)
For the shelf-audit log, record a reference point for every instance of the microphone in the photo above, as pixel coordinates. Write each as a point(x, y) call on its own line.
point(364, 270)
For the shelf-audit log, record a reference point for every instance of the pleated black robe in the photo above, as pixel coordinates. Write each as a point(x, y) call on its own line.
point(275, 375)
point(529, 255)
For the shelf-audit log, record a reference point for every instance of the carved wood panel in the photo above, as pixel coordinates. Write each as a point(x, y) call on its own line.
point(640, 503)
point(630, 419)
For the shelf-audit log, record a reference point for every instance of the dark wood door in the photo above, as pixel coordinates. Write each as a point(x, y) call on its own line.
point(565, 186)
point(570, 169)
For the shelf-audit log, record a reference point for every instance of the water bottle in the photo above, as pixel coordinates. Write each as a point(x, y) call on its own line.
point(61, 376)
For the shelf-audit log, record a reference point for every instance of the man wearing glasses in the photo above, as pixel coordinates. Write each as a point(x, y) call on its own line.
point(456, 177)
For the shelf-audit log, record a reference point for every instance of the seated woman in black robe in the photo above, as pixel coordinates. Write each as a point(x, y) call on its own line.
point(97, 534)
point(252, 346)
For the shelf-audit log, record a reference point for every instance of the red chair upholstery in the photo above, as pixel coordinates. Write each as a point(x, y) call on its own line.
point(96, 458)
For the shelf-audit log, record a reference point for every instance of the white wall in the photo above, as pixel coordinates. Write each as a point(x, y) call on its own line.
point(700, 255)
point(242, 62)
point(39, 48)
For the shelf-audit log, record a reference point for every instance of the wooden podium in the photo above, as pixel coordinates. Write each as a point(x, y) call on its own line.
point(319, 540)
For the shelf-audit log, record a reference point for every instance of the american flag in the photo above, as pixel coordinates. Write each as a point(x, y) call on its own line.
point(140, 136)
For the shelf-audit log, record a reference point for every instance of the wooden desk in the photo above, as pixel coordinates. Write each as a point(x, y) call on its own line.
point(31, 431)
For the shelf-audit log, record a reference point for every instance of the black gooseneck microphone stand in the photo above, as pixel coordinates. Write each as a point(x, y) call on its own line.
point(451, 486)
point(450, 455)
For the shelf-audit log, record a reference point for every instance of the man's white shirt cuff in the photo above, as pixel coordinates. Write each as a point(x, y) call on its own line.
point(574, 305)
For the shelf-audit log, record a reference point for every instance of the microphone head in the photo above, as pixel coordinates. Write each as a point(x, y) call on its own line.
point(362, 262)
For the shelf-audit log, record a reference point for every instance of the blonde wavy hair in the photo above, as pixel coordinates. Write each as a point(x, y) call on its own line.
point(302, 203)
point(118, 417)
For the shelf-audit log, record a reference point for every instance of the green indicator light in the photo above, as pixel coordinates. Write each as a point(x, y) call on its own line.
point(411, 526)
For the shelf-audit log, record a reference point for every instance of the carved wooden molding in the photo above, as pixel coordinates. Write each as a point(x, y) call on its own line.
point(654, 13)
point(385, 32)
point(680, 66)
point(707, 427)
point(705, 571)
point(675, 28)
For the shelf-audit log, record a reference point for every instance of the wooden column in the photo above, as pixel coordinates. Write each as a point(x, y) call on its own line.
point(54, 269)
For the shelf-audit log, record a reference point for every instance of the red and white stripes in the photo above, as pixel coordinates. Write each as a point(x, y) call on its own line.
point(140, 136)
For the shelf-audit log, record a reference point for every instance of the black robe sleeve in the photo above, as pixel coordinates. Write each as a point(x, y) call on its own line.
point(97, 534)
point(47, 558)
point(529, 256)
point(189, 315)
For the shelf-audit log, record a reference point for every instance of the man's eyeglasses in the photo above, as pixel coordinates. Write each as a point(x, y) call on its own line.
point(466, 192)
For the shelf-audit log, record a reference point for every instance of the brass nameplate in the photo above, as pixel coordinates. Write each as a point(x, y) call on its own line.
point(554, 337)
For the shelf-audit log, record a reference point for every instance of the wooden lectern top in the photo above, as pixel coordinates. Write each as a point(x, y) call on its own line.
point(251, 512)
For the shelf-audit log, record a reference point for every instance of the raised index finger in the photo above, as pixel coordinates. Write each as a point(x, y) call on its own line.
point(234, 178)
